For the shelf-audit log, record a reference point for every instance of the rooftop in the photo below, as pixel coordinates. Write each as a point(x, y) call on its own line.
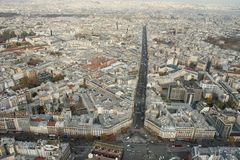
point(107, 151)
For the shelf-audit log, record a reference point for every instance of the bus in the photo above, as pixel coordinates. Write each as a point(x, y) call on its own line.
point(53, 136)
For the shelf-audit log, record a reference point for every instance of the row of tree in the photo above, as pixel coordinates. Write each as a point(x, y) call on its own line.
point(8, 34)
point(32, 82)
point(26, 82)
point(34, 61)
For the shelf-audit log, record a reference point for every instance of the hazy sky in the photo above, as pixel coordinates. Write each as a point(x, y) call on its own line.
point(200, 2)
point(219, 2)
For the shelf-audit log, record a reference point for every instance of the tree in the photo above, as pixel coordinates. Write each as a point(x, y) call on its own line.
point(34, 61)
point(31, 33)
point(231, 141)
point(24, 34)
point(52, 109)
point(124, 130)
point(104, 137)
point(89, 137)
point(219, 104)
point(29, 82)
point(41, 109)
point(57, 53)
point(58, 77)
point(73, 109)
point(34, 94)
point(18, 44)
point(6, 35)
point(163, 73)
point(192, 65)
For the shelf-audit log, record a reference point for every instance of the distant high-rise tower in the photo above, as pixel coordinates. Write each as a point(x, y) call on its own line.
point(175, 31)
point(127, 29)
point(208, 66)
point(200, 76)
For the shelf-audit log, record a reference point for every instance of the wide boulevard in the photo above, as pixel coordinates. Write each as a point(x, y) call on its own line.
point(140, 96)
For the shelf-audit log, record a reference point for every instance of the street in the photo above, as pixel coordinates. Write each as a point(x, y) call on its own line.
point(140, 97)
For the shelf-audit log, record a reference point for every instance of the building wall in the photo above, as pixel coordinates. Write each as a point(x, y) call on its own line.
point(177, 93)
point(40, 151)
point(203, 133)
point(197, 95)
point(180, 133)
point(11, 123)
point(53, 129)
point(85, 130)
point(39, 129)
point(162, 133)
point(23, 124)
point(181, 94)
point(3, 126)
point(25, 150)
point(223, 129)
point(185, 133)
point(210, 87)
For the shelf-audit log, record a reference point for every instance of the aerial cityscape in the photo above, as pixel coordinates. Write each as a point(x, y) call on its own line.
point(119, 80)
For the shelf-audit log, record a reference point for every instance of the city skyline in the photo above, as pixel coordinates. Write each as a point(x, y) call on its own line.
point(219, 3)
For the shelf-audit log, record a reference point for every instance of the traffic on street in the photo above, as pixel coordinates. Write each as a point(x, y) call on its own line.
point(140, 97)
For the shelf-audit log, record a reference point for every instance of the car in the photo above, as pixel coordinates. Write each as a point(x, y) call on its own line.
point(128, 145)
point(178, 145)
